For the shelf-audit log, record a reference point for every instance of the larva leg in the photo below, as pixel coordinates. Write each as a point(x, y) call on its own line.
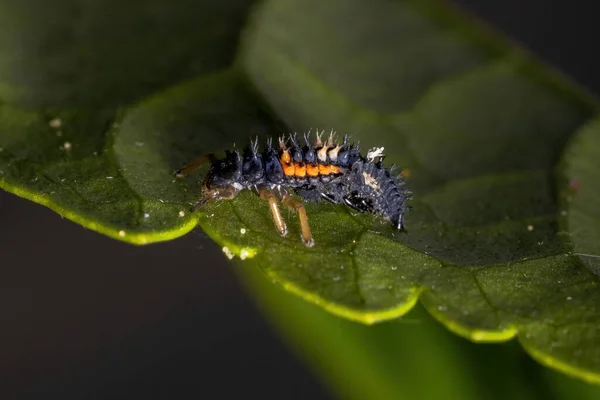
point(298, 206)
point(194, 165)
point(265, 194)
point(222, 193)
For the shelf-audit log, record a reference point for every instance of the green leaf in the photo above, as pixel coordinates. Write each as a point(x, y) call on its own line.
point(400, 359)
point(479, 125)
point(66, 76)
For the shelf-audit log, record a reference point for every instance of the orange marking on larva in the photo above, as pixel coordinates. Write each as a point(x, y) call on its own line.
point(333, 169)
point(323, 169)
point(285, 157)
point(288, 169)
point(312, 170)
point(300, 170)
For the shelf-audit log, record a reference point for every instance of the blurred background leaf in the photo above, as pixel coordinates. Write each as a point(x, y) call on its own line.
point(394, 360)
point(105, 54)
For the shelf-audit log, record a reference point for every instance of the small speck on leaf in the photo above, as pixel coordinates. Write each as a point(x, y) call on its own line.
point(228, 252)
point(55, 123)
point(244, 254)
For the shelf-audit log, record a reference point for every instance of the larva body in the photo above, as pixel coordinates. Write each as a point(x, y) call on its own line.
point(317, 171)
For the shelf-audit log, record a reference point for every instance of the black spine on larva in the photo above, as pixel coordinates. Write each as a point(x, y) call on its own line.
point(308, 151)
point(273, 169)
point(296, 150)
point(348, 155)
point(227, 170)
point(252, 167)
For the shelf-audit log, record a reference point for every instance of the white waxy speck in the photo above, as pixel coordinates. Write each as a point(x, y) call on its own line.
point(181, 213)
point(243, 231)
point(530, 228)
point(109, 177)
point(374, 152)
point(337, 278)
point(139, 144)
point(55, 123)
point(146, 215)
point(563, 213)
point(228, 252)
point(122, 233)
point(67, 146)
point(569, 298)
point(244, 254)
point(95, 153)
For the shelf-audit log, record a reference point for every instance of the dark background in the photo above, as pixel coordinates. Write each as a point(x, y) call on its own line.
point(84, 316)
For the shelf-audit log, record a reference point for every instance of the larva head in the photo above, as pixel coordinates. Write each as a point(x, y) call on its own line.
point(225, 171)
